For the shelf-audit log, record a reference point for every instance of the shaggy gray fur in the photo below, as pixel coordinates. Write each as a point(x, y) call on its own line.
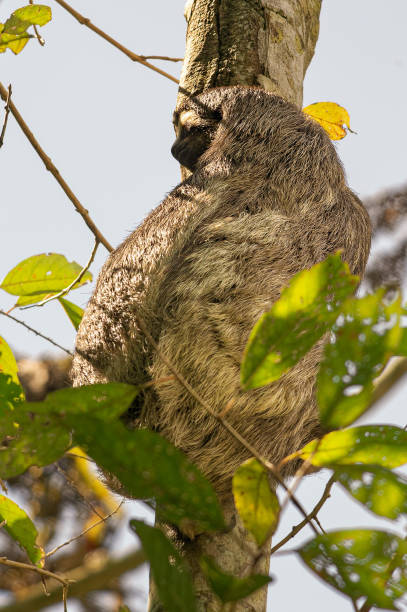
point(266, 199)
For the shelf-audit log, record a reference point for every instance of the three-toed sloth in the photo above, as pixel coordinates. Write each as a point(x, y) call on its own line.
point(266, 198)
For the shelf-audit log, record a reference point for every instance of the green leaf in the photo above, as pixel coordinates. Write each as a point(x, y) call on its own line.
point(149, 466)
point(74, 312)
point(366, 335)
point(21, 528)
point(360, 563)
point(11, 392)
point(305, 311)
point(256, 503)
point(228, 587)
point(379, 489)
point(42, 276)
point(36, 14)
point(38, 433)
point(14, 35)
point(171, 574)
point(382, 444)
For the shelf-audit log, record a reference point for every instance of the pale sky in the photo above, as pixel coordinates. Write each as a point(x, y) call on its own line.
point(106, 123)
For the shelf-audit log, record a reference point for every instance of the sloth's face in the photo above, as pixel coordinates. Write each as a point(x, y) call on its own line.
point(193, 137)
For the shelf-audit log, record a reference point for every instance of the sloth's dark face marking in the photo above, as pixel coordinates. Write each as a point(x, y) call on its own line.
point(194, 135)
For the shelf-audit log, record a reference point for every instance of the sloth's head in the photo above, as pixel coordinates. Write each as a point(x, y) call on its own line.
point(247, 125)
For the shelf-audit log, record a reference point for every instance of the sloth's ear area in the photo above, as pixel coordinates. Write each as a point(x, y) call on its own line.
point(194, 134)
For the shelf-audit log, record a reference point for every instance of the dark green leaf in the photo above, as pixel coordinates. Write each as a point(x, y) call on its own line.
point(38, 433)
point(255, 501)
point(305, 311)
point(42, 276)
point(11, 392)
point(171, 574)
point(228, 587)
point(367, 334)
point(74, 312)
point(382, 444)
point(21, 528)
point(379, 489)
point(360, 563)
point(150, 467)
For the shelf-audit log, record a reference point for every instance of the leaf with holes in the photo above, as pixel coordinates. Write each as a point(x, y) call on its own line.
point(381, 444)
point(255, 501)
point(360, 563)
point(228, 587)
point(171, 574)
point(305, 311)
point(379, 489)
point(74, 312)
point(21, 528)
point(366, 335)
point(41, 276)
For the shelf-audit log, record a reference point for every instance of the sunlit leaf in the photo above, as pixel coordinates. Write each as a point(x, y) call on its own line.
point(379, 489)
point(366, 335)
point(149, 466)
point(382, 444)
point(331, 116)
point(360, 563)
point(171, 574)
point(21, 528)
point(14, 35)
point(41, 276)
point(228, 587)
point(255, 501)
point(10, 389)
point(74, 312)
point(304, 312)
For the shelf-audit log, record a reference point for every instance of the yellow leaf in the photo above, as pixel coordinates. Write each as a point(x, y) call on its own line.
point(331, 116)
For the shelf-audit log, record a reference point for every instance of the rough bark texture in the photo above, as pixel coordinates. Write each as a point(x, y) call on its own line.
point(234, 42)
point(242, 42)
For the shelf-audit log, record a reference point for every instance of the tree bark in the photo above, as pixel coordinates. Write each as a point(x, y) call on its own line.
point(267, 43)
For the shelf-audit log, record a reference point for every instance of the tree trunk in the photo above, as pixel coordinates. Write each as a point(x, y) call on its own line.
point(267, 43)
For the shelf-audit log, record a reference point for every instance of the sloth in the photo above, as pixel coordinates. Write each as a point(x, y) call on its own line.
point(266, 198)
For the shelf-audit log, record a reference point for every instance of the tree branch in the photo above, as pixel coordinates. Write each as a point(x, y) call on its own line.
point(133, 56)
point(7, 108)
point(55, 172)
point(37, 333)
point(85, 580)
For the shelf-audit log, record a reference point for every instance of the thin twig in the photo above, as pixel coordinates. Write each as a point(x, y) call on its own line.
point(162, 57)
point(233, 432)
point(37, 34)
point(102, 520)
point(74, 282)
point(133, 56)
point(73, 486)
point(326, 494)
point(37, 333)
point(55, 172)
point(34, 568)
point(7, 108)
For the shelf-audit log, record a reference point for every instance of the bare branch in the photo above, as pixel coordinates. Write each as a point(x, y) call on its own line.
point(162, 57)
point(326, 494)
point(233, 432)
point(7, 108)
point(85, 579)
point(102, 520)
point(74, 282)
point(37, 333)
point(34, 568)
point(55, 172)
point(133, 56)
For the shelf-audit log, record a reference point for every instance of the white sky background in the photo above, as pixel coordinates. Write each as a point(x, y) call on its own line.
point(106, 123)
